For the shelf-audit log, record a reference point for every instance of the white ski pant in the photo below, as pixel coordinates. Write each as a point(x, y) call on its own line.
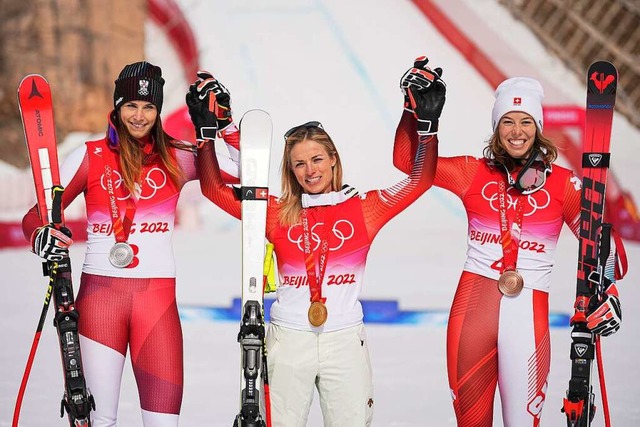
point(336, 363)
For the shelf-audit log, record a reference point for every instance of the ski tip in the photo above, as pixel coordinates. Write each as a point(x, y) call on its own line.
point(257, 117)
point(603, 67)
point(602, 78)
point(36, 77)
point(256, 112)
point(33, 87)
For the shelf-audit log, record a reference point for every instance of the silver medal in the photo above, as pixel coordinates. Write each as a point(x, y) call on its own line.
point(121, 255)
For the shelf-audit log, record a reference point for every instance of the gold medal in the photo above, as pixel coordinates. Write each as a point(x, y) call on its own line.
point(510, 283)
point(317, 313)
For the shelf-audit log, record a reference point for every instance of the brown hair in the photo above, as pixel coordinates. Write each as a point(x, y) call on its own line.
point(132, 156)
point(496, 152)
point(290, 201)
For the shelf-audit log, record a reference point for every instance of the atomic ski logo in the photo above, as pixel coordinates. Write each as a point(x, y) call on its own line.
point(34, 90)
point(594, 159)
point(581, 349)
point(602, 81)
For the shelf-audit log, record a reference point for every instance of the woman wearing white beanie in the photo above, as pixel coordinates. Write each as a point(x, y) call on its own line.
point(516, 203)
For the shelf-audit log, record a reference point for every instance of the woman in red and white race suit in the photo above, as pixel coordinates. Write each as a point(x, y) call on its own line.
point(498, 331)
point(331, 227)
point(131, 180)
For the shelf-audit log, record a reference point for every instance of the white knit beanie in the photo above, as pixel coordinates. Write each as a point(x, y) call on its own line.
point(518, 94)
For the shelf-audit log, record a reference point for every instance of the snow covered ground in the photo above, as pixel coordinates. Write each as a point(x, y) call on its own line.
point(338, 62)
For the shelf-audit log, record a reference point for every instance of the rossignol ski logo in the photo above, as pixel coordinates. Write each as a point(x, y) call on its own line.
point(581, 349)
point(602, 81)
point(34, 90)
point(594, 159)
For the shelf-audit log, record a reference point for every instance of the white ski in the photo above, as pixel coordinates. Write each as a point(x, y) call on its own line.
point(255, 157)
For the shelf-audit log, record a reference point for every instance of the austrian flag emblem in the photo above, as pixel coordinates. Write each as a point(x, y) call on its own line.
point(143, 90)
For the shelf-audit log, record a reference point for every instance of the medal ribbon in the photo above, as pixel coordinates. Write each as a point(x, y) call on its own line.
point(509, 236)
point(121, 228)
point(315, 280)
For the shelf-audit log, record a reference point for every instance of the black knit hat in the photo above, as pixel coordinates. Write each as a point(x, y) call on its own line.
point(140, 81)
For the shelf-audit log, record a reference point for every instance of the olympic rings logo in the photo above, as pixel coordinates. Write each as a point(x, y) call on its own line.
point(154, 180)
point(538, 200)
point(343, 230)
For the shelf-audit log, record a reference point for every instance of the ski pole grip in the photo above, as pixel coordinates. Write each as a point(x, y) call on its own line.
point(56, 205)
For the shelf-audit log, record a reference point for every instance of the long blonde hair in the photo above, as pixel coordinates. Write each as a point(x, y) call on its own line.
point(496, 152)
point(132, 156)
point(290, 201)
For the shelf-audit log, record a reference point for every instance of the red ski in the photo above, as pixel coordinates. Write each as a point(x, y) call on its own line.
point(594, 244)
point(36, 110)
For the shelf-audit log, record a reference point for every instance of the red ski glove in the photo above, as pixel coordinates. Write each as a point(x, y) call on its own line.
point(605, 317)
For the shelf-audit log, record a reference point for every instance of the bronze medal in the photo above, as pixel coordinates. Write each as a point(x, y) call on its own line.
point(317, 313)
point(121, 255)
point(510, 283)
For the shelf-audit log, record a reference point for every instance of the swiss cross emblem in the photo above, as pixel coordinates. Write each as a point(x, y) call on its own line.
point(517, 101)
point(262, 194)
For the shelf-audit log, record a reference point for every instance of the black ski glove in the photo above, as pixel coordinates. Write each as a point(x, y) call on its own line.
point(50, 243)
point(202, 115)
point(207, 83)
point(425, 94)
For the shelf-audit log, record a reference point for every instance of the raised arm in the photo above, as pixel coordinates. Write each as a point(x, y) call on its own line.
point(208, 116)
point(454, 174)
point(425, 96)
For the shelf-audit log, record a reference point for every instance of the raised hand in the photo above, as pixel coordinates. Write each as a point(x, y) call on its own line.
point(425, 94)
point(419, 76)
point(50, 243)
point(206, 84)
point(201, 111)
